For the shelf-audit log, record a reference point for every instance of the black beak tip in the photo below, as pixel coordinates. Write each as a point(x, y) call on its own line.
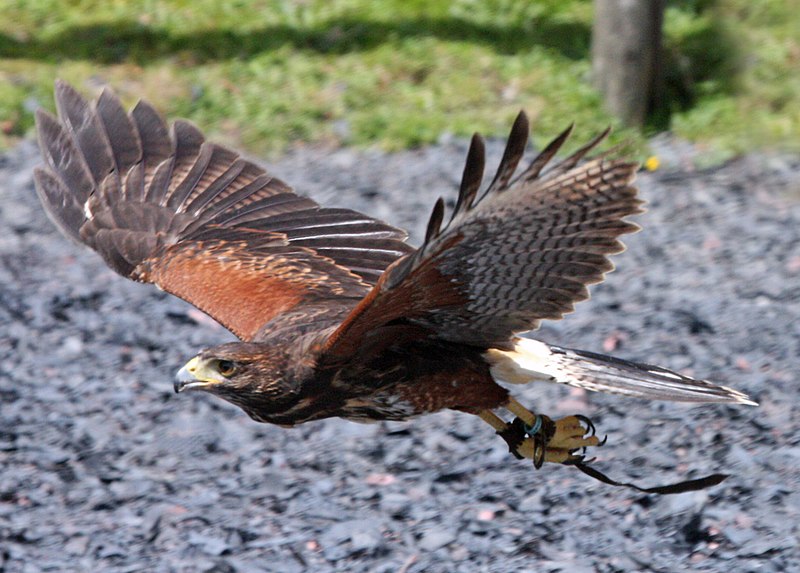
point(177, 386)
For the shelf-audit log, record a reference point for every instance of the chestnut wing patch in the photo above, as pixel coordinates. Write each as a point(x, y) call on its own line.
point(244, 284)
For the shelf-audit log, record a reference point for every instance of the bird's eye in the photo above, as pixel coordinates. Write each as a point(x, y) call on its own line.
point(226, 368)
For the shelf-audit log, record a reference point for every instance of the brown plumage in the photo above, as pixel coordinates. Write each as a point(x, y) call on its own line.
point(337, 314)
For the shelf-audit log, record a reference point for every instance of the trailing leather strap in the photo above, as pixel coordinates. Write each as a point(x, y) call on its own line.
point(679, 487)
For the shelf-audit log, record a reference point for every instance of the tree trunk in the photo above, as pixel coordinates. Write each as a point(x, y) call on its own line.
point(626, 56)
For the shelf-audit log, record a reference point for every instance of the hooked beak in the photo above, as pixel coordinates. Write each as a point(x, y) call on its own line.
point(195, 375)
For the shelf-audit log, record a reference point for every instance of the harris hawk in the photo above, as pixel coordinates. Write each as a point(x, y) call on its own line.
point(336, 313)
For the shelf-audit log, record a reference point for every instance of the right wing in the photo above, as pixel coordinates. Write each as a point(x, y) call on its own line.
point(167, 207)
point(524, 251)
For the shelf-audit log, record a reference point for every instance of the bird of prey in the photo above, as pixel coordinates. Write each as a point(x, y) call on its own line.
point(336, 313)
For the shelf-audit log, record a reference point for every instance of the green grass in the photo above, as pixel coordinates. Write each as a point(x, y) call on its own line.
point(264, 74)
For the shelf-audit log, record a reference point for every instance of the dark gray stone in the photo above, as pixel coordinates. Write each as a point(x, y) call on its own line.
point(436, 538)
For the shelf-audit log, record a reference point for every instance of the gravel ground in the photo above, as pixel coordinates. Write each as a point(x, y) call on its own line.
point(103, 468)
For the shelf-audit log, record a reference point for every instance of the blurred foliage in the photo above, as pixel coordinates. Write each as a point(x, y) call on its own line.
point(733, 73)
point(262, 74)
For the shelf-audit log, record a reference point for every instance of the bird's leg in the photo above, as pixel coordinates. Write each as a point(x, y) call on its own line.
point(541, 439)
point(512, 432)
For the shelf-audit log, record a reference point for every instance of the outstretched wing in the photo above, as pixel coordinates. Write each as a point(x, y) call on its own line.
point(525, 250)
point(164, 206)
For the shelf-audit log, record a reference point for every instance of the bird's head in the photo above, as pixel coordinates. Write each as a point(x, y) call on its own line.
point(245, 374)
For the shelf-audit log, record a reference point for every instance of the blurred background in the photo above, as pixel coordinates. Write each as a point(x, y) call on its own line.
point(264, 75)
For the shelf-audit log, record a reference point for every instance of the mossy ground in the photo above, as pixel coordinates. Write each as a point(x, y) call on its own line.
point(261, 75)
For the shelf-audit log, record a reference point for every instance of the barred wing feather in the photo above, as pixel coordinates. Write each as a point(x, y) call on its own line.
point(522, 251)
point(163, 205)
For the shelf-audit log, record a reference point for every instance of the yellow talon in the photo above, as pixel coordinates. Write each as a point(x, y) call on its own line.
point(538, 438)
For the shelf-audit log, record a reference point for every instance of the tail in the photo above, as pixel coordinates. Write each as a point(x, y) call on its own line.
point(533, 360)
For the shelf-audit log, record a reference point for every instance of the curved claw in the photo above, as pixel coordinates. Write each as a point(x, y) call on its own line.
point(572, 460)
point(602, 442)
point(589, 424)
point(539, 450)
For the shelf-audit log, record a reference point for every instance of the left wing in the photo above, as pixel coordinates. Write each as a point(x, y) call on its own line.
point(525, 250)
point(165, 206)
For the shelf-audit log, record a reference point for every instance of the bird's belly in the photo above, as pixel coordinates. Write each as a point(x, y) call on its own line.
point(423, 396)
point(379, 407)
